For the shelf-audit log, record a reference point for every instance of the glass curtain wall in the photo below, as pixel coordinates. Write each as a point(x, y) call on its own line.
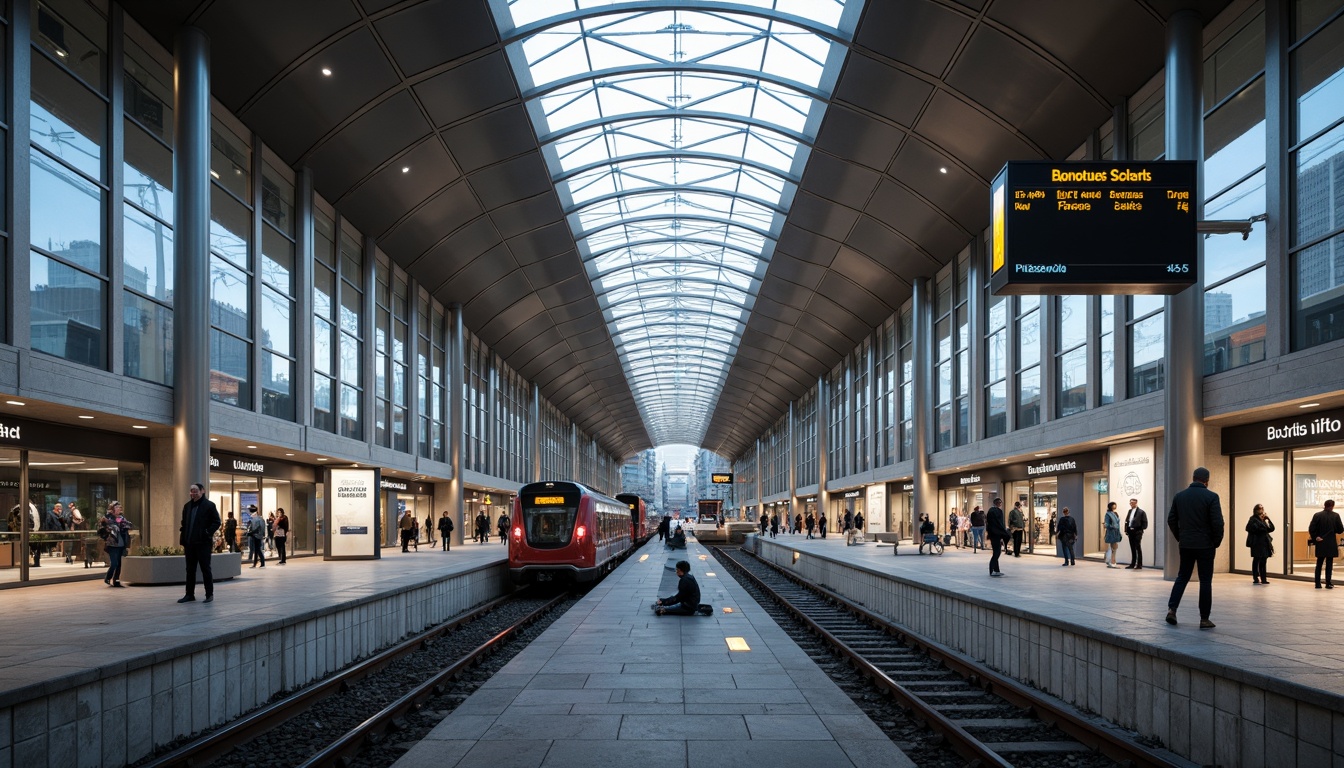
point(888, 415)
point(944, 427)
point(351, 335)
point(278, 289)
point(1028, 324)
point(1258, 479)
point(1316, 77)
point(230, 263)
point(324, 321)
point(907, 415)
point(1071, 354)
point(996, 364)
point(805, 439)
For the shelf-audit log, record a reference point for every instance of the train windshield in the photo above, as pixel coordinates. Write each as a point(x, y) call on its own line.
point(548, 526)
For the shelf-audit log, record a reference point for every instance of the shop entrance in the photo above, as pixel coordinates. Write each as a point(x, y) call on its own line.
point(235, 494)
point(399, 504)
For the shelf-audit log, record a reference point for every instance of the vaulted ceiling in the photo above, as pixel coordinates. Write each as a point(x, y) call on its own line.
point(895, 150)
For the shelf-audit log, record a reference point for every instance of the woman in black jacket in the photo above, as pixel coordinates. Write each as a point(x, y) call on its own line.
point(1260, 543)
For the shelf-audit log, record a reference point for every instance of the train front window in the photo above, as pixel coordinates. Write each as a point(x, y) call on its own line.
point(548, 526)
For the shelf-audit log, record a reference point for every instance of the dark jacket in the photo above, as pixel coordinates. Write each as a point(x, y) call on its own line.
point(51, 521)
point(231, 529)
point(978, 517)
point(445, 526)
point(1326, 525)
point(1137, 521)
point(688, 593)
point(1258, 538)
point(503, 525)
point(207, 522)
point(1067, 530)
point(994, 525)
point(1196, 518)
point(926, 527)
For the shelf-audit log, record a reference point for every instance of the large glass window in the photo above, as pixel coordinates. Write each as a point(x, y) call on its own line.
point(1258, 479)
point(1318, 474)
point(147, 256)
point(996, 364)
point(66, 314)
point(1317, 74)
point(943, 374)
point(324, 322)
point(907, 385)
point(1071, 355)
point(74, 33)
point(1147, 349)
point(1028, 361)
point(1106, 351)
point(351, 334)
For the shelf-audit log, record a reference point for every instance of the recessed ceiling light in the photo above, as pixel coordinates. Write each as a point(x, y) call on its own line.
point(214, 173)
point(16, 402)
point(326, 71)
point(322, 459)
point(405, 169)
point(1002, 459)
point(214, 439)
point(86, 417)
point(139, 426)
point(289, 454)
point(942, 170)
point(1308, 405)
point(251, 446)
point(1039, 455)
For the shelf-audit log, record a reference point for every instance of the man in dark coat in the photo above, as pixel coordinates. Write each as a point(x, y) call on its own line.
point(998, 535)
point(446, 531)
point(231, 532)
point(503, 527)
point(1196, 520)
point(482, 527)
point(200, 520)
point(1136, 522)
point(1324, 533)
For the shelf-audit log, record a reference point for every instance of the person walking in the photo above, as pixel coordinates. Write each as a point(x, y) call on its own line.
point(1111, 522)
point(1260, 542)
point(1196, 521)
point(429, 528)
point(115, 531)
point(482, 525)
point(1016, 525)
point(821, 524)
point(811, 523)
point(200, 520)
point(765, 523)
point(280, 533)
point(798, 523)
point(998, 535)
point(858, 522)
point(445, 530)
point(774, 525)
point(256, 538)
point(1053, 529)
point(1324, 532)
point(1066, 533)
point(231, 532)
point(503, 529)
point(954, 526)
point(1136, 522)
point(978, 528)
point(407, 527)
point(663, 526)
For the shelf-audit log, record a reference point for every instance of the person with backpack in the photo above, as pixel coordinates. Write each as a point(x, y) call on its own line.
point(256, 537)
point(445, 530)
point(115, 531)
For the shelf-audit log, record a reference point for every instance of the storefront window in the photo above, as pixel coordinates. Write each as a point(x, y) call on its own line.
point(1258, 479)
point(1318, 474)
point(15, 517)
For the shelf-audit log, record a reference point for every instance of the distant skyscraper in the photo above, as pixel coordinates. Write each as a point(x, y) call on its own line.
point(1217, 311)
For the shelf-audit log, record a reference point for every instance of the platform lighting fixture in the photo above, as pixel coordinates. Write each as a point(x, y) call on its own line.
point(642, 558)
point(796, 555)
point(737, 644)
point(15, 402)
point(1041, 455)
point(1309, 405)
point(214, 173)
point(710, 573)
point(214, 439)
point(326, 71)
point(405, 169)
point(253, 447)
point(289, 454)
point(322, 459)
point(139, 426)
point(942, 170)
point(726, 609)
point(86, 417)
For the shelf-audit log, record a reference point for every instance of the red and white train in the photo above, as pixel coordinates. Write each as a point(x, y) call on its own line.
point(564, 531)
point(638, 515)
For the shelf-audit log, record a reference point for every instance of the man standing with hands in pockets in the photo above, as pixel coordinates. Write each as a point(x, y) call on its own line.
point(1136, 522)
point(200, 520)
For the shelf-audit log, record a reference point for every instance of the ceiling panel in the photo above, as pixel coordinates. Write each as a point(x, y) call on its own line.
point(427, 34)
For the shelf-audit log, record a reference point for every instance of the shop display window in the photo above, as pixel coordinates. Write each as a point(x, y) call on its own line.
point(1317, 475)
point(1258, 479)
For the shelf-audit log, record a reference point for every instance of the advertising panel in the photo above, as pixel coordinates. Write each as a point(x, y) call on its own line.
point(1131, 476)
point(353, 533)
point(875, 520)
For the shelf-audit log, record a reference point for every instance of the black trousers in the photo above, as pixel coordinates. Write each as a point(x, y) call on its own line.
point(997, 544)
point(1136, 549)
point(1258, 568)
point(280, 546)
point(1017, 543)
point(199, 555)
point(1190, 558)
point(1329, 563)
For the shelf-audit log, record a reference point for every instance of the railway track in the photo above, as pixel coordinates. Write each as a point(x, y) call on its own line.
point(373, 727)
point(986, 718)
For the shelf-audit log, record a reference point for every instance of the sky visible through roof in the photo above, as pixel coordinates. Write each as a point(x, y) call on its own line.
point(676, 135)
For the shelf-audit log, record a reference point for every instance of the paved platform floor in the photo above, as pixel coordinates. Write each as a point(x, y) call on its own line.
point(611, 684)
point(1285, 631)
point(53, 631)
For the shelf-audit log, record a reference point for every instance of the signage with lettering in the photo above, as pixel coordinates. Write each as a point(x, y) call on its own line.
point(810, 500)
point(853, 494)
point(394, 485)
point(353, 497)
point(1093, 228)
point(721, 478)
point(60, 438)
point(1288, 432)
point(907, 487)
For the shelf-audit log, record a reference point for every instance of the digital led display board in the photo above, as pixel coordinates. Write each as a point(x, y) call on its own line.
point(1062, 228)
point(721, 478)
point(543, 500)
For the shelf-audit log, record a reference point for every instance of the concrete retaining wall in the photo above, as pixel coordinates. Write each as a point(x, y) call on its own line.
point(1202, 710)
point(140, 704)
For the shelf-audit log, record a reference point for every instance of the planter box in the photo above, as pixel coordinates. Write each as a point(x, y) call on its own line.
point(172, 569)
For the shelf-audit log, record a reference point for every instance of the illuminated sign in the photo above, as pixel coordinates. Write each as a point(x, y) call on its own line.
point(1094, 228)
point(721, 478)
point(548, 500)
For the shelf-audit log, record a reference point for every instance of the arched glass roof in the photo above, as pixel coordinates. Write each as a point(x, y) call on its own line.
point(676, 134)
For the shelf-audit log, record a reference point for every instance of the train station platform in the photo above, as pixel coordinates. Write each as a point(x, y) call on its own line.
point(1265, 687)
point(611, 684)
point(91, 675)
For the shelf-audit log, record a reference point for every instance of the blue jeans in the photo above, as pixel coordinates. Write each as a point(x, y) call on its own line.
point(114, 555)
point(978, 536)
point(1065, 551)
point(1190, 558)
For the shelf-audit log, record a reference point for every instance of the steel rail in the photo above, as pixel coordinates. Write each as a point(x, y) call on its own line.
point(1101, 740)
point(220, 741)
point(340, 751)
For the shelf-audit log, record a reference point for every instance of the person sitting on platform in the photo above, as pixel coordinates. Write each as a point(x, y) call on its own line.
point(687, 600)
point(678, 539)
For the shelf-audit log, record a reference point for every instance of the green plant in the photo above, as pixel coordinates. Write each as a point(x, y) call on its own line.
point(158, 551)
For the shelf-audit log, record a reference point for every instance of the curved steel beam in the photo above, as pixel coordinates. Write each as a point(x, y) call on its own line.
point(678, 188)
point(658, 281)
point(678, 155)
point(665, 261)
point(594, 255)
point(796, 137)
point(748, 76)
point(527, 30)
point(764, 233)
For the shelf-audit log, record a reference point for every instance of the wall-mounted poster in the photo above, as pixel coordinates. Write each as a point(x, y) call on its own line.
point(354, 529)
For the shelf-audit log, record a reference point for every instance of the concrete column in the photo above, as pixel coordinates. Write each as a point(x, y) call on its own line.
point(926, 486)
point(303, 297)
point(792, 452)
point(456, 406)
point(975, 314)
point(823, 422)
point(17, 302)
point(760, 490)
point(1184, 395)
point(191, 257)
point(1278, 174)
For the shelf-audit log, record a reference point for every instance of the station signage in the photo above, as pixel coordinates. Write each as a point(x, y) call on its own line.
point(1288, 432)
point(237, 464)
point(1068, 228)
point(853, 494)
point(721, 478)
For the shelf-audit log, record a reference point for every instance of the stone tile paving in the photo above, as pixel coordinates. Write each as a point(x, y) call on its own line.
point(658, 692)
